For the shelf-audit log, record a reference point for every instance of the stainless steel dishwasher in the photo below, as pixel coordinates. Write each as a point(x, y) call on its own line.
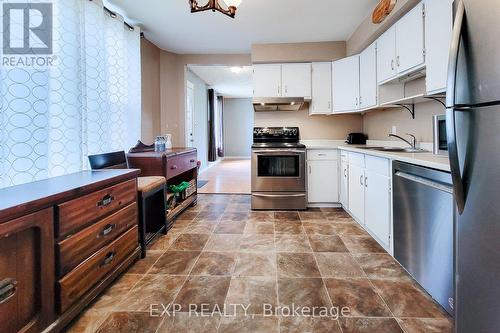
point(423, 228)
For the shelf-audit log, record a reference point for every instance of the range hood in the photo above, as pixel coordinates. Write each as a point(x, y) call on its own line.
point(264, 104)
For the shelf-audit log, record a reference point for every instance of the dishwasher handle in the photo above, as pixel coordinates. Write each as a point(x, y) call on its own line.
point(425, 181)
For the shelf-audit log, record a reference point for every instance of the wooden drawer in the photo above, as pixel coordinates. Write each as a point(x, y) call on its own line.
point(180, 164)
point(72, 251)
point(78, 213)
point(85, 276)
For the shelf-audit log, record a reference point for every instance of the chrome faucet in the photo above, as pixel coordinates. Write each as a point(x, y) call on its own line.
point(412, 143)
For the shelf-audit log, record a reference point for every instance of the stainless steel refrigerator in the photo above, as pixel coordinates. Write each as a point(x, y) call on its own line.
point(473, 130)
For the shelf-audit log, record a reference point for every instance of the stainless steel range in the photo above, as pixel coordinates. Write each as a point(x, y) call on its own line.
point(278, 169)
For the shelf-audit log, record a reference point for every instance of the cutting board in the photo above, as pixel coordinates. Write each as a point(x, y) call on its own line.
point(383, 9)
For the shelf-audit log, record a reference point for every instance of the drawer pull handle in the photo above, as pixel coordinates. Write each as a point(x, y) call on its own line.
point(8, 288)
point(321, 154)
point(105, 201)
point(192, 161)
point(107, 230)
point(173, 167)
point(109, 258)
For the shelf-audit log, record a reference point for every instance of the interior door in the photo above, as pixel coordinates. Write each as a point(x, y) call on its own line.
point(267, 80)
point(189, 114)
point(296, 80)
point(410, 40)
point(346, 84)
point(377, 206)
point(357, 192)
point(321, 88)
point(368, 77)
point(386, 55)
point(27, 273)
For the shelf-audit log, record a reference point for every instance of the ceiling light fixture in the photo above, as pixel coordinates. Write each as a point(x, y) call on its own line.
point(214, 5)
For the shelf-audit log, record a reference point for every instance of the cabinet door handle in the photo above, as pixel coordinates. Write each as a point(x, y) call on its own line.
point(345, 173)
point(392, 64)
point(329, 105)
point(309, 169)
point(361, 180)
point(107, 230)
point(105, 201)
point(356, 101)
point(108, 259)
point(397, 61)
point(366, 181)
point(286, 89)
point(173, 167)
point(8, 288)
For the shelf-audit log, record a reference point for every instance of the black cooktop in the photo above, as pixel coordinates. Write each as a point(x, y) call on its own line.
point(272, 145)
point(276, 137)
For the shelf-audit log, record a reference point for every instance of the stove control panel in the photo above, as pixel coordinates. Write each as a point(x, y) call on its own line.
point(287, 133)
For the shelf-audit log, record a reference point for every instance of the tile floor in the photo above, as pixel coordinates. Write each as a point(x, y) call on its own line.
point(230, 176)
point(220, 253)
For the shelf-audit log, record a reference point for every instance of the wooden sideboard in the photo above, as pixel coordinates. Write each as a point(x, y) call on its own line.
point(62, 242)
point(176, 165)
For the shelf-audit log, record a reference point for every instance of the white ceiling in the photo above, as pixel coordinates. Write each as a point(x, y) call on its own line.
point(170, 25)
point(225, 81)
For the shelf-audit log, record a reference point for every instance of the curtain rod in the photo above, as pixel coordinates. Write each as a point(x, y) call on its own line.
point(113, 15)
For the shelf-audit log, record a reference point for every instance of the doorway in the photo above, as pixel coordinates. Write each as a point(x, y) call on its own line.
point(233, 125)
point(189, 114)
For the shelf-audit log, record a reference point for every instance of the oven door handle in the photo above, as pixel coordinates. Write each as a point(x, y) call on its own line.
point(276, 151)
point(279, 195)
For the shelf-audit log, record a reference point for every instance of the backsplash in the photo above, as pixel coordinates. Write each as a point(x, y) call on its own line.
point(312, 127)
point(377, 125)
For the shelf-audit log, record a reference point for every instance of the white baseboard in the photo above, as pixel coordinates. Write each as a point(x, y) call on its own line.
point(237, 157)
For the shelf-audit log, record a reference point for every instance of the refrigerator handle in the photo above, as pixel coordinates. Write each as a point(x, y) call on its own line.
point(456, 174)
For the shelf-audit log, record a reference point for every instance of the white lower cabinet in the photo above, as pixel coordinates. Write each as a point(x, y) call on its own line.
point(377, 206)
point(369, 194)
point(322, 176)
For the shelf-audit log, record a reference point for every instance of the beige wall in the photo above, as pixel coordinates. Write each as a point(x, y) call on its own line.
point(298, 52)
point(150, 68)
point(377, 125)
point(312, 127)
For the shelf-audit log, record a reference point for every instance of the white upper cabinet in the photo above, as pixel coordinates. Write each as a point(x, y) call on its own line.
point(386, 54)
point(296, 80)
point(368, 77)
point(400, 50)
point(438, 31)
point(346, 84)
point(321, 88)
point(267, 80)
point(410, 40)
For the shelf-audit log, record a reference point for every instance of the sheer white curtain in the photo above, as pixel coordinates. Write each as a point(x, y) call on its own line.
point(88, 102)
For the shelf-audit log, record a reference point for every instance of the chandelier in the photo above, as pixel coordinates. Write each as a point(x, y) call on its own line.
point(214, 5)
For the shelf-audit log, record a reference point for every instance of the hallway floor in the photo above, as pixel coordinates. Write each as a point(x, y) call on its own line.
point(230, 176)
point(220, 252)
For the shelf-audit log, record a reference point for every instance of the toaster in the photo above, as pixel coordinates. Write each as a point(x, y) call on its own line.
point(356, 139)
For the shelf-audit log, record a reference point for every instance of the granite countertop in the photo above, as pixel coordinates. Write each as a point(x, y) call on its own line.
point(427, 159)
